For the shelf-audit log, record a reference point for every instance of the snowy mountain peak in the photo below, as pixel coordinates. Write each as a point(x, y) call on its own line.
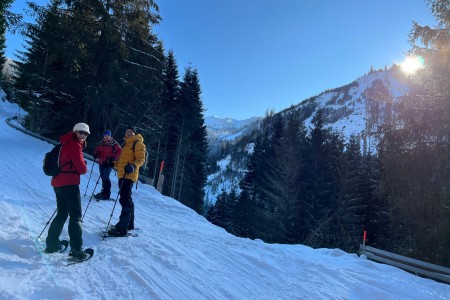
point(355, 108)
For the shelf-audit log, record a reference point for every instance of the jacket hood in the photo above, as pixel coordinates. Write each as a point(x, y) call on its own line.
point(68, 138)
point(134, 137)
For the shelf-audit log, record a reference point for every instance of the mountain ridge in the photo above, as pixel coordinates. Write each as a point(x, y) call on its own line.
point(356, 108)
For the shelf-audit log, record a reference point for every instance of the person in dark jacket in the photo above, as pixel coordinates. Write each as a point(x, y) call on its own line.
point(128, 172)
point(105, 154)
point(67, 189)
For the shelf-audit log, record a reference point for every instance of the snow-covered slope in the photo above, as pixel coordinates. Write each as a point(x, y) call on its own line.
point(225, 131)
point(177, 255)
point(9, 69)
point(347, 107)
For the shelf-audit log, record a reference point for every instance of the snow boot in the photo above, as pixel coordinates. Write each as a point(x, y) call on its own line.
point(101, 196)
point(78, 254)
point(52, 249)
point(98, 196)
point(116, 232)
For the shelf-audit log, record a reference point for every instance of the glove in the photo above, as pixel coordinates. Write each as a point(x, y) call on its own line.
point(129, 168)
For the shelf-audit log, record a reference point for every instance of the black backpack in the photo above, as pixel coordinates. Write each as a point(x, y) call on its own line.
point(144, 166)
point(51, 162)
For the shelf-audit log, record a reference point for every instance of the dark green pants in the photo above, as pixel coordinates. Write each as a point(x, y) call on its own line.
point(68, 203)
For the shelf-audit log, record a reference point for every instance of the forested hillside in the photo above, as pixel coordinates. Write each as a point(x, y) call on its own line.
point(305, 183)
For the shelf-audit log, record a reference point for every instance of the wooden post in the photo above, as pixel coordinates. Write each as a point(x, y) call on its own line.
point(160, 183)
point(160, 178)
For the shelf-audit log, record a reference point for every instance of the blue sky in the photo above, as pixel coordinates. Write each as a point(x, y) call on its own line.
point(257, 55)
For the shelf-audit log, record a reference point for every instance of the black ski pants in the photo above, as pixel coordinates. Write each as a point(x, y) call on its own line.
point(126, 219)
point(68, 202)
point(106, 183)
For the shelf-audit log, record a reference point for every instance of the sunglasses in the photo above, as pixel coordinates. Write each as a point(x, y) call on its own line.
point(83, 133)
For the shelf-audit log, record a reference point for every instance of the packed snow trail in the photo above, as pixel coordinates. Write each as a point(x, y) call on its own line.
point(177, 255)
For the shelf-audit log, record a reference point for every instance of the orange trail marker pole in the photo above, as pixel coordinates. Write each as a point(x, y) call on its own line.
point(364, 240)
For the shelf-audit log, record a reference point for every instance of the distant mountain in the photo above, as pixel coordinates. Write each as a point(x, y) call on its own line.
point(224, 136)
point(357, 108)
point(9, 69)
point(227, 130)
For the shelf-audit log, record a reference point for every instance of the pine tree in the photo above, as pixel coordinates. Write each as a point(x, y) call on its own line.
point(351, 208)
point(190, 164)
point(50, 83)
point(218, 215)
point(8, 20)
point(323, 167)
point(250, 205)
point(414, 159)
point(170, 117)
point(377, 215)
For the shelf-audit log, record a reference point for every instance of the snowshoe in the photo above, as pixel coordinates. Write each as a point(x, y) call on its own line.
point(113, 232)
point(116, 232)
point(63, 244)
point(78, 254)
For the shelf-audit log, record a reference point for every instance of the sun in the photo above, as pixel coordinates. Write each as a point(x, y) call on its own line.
point(412, 64)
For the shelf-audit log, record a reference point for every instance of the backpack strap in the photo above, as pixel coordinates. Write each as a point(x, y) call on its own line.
point(67, 163)
point(134, 148)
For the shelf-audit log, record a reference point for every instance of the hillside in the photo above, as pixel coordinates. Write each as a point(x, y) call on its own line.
point(177, 255)
point(357, 108)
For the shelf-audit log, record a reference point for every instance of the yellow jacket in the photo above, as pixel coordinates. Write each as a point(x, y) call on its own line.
point(128, 156)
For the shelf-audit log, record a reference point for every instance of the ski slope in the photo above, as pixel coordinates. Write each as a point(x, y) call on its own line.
point(177, 255)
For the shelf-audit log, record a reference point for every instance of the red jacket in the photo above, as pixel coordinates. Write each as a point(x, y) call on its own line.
point(107, 149)
point(71, 151)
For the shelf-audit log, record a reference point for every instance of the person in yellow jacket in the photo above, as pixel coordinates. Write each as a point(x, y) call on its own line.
point(127, 166)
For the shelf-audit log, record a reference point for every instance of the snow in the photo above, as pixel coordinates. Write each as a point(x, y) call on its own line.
point(177, 255)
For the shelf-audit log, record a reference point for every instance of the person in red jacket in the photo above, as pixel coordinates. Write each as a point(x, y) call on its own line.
point(106, 153)
point(67, 190)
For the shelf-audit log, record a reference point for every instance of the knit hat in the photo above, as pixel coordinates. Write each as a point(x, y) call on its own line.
point(81, 127)
point(132, 128)
point(107, 132)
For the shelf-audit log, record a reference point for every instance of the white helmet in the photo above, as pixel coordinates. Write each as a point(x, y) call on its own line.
point(81, 127)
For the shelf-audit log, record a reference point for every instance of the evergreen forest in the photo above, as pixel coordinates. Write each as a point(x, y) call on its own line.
point(100, 62)
point(319, 189)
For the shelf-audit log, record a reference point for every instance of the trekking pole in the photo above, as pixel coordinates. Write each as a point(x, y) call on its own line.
point(115, 202)
point(92, 169)
point(82, 218)
point(47, 224)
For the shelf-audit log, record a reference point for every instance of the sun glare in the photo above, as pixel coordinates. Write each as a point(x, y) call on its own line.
point(412, 64)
